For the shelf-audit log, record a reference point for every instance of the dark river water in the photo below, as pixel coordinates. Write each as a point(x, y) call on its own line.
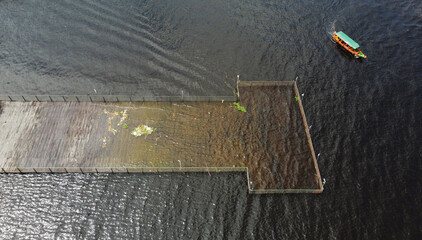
point(365, 116)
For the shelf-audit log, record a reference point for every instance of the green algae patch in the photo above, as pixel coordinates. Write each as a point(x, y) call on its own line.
point(142, 130)
point(239, 107)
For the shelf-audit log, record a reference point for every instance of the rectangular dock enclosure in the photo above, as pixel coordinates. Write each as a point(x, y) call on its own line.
point(265, 134)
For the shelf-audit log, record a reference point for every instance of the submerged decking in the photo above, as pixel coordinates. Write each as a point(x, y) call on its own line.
point(270, 141)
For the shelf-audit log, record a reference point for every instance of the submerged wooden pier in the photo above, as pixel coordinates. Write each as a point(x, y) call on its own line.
point(270, 141)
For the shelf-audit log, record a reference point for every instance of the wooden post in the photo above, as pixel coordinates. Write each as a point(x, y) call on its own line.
point(237, 83)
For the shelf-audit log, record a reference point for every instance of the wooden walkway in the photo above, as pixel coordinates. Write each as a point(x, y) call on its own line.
point(270, 141)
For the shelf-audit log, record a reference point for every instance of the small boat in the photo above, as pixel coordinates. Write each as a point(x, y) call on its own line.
point(347, 43)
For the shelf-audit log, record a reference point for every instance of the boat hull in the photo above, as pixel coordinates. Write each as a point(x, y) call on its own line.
point(356, 52)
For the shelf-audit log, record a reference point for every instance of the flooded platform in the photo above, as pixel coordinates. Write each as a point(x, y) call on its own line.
point(264, 135)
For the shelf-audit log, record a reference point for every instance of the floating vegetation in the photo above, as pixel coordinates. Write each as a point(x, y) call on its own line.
point(239, 107)
point(125, 126)
point(142, 130)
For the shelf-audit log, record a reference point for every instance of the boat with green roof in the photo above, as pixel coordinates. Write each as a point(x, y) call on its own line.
point(347, 43)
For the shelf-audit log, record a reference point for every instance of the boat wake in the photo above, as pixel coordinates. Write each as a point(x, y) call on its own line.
point(331, 28)
point(330, 31)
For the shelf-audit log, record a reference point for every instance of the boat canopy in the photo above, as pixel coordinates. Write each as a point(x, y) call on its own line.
point(347, 39)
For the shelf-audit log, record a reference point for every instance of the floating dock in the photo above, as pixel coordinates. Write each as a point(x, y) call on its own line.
point(265, 135)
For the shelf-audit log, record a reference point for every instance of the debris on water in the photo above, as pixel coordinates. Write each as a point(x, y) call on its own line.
point(123, 118)
point(112, 115)
point(104, 140)
point(142, 130)
point(297, 98)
